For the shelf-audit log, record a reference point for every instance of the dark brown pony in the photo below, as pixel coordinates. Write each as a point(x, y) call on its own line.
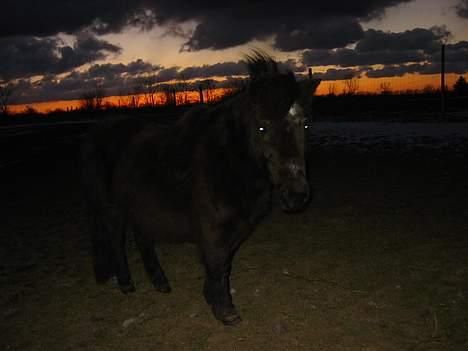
point(208, 179)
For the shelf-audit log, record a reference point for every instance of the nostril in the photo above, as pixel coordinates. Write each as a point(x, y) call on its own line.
point(302, 198)
point(295, 197)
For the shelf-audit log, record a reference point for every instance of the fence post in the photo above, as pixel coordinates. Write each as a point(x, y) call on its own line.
point(310, 72)
point(200, 92)
point(442, 80)
point(174, 96)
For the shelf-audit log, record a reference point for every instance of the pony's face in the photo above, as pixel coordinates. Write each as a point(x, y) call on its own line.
point(281, 141)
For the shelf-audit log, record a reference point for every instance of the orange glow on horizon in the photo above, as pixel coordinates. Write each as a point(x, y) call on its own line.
point(412, 82)
point(409, 82)
point(139, 100)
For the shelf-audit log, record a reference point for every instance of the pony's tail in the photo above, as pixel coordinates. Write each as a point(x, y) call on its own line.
point(93, 182)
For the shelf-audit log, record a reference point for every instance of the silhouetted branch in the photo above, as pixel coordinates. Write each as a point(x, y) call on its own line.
point(6, 91)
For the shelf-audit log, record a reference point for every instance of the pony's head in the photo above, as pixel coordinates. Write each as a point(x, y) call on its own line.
point(281, 108)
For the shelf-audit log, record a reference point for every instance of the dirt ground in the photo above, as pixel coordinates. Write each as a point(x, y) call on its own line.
point(379, 261)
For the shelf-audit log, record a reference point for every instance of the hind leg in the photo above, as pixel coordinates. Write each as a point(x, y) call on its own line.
point(103, 260)
point(151, 262)
point(115, 224)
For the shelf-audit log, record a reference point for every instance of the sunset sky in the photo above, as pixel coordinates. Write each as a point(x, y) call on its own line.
point(57, 50)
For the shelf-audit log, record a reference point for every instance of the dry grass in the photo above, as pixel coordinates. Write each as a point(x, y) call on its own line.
point(379, 261)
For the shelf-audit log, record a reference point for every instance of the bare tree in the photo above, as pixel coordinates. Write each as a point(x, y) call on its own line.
point(385, 88)
point(168, 91)
point(181, 92)
point(29, 110)
point(6, 91)
point(331, 89)
point(87, 101)
point(135, 97)
point(120, 94)
point(183, 87)
point(99, 94)
point(149, 88)
point(92, 100)
point(429, 89)
point(208, 89)
point(351, 86)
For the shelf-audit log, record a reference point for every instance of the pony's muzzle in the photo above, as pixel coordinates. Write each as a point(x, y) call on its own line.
point(294, 198)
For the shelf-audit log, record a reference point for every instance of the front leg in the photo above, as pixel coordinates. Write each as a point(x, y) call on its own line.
point(217, 289)
point(220, 240)
point(220, 228)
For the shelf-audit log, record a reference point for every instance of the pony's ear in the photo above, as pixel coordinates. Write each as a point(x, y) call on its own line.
point(308, 88)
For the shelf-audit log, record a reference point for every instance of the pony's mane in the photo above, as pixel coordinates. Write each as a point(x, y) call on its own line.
point(260, 64)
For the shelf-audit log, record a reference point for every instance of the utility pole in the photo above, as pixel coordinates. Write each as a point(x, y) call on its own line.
point(442, 80)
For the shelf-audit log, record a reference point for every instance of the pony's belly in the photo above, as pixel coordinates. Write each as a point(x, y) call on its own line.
point(167, 225)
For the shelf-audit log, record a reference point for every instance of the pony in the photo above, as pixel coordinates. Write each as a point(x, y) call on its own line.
point(206, 179)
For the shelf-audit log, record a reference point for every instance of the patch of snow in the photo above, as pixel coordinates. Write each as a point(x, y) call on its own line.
point(408, 136)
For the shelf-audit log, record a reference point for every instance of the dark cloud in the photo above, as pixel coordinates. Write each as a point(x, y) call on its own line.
point(298, 24)
point(351, 57)
point(457, 52)
point(412, 51)
point(49, 17)
point(118, 79)
point(391, 70)
point(218, 69)
point(414, 39)
point(386, 48)
point(167, 74)
point(109, 70)
point(230, 69)
point(462, 8)
point(423, 68)
point(292, 65)
point(401, 70)
point(29, 45)
point(339, 74)
point(224, 32)
point(29, 56)
point(456, 61)
point(328, 33)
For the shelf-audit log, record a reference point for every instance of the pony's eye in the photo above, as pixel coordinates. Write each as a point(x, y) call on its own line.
point(262, 129)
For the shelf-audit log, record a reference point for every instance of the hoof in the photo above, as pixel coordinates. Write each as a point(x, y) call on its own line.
point(127, 288)
point(231, 320)
point(162, 287)
point(228, 316)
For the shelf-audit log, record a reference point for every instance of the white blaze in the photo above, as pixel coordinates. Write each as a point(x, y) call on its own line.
point(294, 110)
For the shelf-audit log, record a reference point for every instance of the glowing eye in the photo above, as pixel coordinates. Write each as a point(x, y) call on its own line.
point(306, 126)
point(262, 130)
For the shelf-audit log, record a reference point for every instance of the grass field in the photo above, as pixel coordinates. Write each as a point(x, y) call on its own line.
point(379, 261)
